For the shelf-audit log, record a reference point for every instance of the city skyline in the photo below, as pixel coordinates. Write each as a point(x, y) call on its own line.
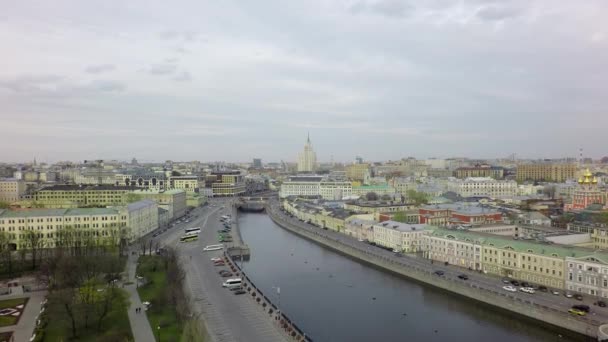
point(382, 79)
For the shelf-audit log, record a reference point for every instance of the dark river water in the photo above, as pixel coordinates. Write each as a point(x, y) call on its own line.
point(334, 298)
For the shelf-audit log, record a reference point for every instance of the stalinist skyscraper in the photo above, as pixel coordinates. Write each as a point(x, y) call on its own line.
point(307, 160)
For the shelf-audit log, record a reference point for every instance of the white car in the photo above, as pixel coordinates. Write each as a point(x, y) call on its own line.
point(216, 259)
point(509, 288)
point(526, 290)
point(555, 292)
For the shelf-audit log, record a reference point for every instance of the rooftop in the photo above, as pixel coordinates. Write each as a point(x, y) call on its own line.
point(56, 212)
point(305, 179)
point(403, 227)
point(140, 204)
point(462, 208)
point(76, 187)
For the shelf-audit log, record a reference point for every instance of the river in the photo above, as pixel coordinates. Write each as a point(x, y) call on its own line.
point(334, 298)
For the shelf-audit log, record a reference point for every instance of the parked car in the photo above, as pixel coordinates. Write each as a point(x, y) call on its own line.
point(506, 281)
point(240, 292)
point(463, 276)
point(439, 273)
point(555, 292)
point(226, 274)
point(216, 259)
point(509, 288)
point(600, 303)
point(236, 288)
point(514, 283)
point(577, 312)
point(578, 297)
point(525, 284)
point(543, 288)
point(568, 295)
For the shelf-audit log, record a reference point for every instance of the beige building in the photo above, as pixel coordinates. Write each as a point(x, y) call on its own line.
point(482, 186)
point(173, 201)
point(75, 196)
point(334, 190)
point(229, 183)
point(11, 190)
point(358, 172)
point(548, 172)
point(402, 237)
point(186, 183)
point(597, 231)
point(378, 207)
point(103, 225)
point(307, 159)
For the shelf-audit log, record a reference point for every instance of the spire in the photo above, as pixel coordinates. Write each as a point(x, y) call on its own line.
point(308, 138)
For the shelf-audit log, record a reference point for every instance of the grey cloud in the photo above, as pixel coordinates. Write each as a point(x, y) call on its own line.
point(106, 86)
point(171, 60)
point(497, 13)
point(99, 68)
point(188, 36)
point(29, 83)
point(183, 76)
point(387, 8)
point(162, 69)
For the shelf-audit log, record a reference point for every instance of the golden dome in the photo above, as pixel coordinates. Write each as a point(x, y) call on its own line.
point(588, 173)
point(594, 180)
point(580, 180)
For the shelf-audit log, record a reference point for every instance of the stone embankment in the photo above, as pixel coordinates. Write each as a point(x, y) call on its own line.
point(502, 300)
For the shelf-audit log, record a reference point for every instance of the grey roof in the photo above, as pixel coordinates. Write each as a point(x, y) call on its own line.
point(306, 179)
point(403, 227)
point(72, 187)
point(462, 208)
point(140, 204)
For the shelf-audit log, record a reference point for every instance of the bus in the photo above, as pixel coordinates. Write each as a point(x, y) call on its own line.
point(188, 238)
point(213, 247)
point(232, 282)
point(193, 230)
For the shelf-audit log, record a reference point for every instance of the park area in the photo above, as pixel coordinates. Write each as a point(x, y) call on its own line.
point(168, 309)
point(11, 310)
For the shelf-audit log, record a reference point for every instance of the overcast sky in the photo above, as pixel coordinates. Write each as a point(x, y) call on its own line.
point(233, 80)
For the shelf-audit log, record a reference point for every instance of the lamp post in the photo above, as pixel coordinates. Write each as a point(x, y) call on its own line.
point(278, 288)
point(158, 329)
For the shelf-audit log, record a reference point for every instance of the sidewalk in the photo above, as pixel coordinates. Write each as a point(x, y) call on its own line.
point(24, 329)
point(140, 326)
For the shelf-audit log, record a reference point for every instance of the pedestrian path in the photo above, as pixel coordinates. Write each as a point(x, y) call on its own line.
point(140, 326)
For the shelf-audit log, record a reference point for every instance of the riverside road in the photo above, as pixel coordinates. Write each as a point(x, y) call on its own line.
point(228, 317)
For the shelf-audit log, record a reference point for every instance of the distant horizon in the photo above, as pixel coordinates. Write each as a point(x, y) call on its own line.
point(374, 78)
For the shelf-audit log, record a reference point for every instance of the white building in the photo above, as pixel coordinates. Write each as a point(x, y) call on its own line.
point(11, 189)
point(301, 186)
point(142, 218)
point(588, 275)
point(307, 159)
point(335, 190)
point(482, 186)
point(447, 248)
point(403, 237)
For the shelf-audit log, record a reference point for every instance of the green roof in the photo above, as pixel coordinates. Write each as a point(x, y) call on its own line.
point(157, 192)
point(371, 187)
point(25, 213)
point(562, 251)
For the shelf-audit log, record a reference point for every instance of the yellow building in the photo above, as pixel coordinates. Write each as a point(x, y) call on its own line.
point(357, 172)
point(546, 172)
point(74, 196)
point(103, 225)
point(228, 184)
point(11, 190)
point(186, 183)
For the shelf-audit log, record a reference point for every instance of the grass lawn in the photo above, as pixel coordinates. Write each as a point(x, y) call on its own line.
point(151, 268)
point(115, 327)
point(11, 304)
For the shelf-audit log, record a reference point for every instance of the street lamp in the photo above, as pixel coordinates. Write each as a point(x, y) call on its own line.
point(279, 295)
point(158, 329)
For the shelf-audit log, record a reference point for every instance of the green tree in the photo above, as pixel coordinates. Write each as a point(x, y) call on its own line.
point(4, 205)
point(133, 198)
point(400, 217)
point(417, 197)
point(371, 196)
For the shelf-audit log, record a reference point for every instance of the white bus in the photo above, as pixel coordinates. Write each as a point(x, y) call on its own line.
point(189, 237)
point(232, 282)
point(193, 230)
point(213, 247)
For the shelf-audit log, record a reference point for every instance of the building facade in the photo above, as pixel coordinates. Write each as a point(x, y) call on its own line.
point(459, 214)
point(547, 172)
point(401, 237)
point(482, 187)
point(335, 190)
point(358, 172)
point(11, 189)
point(301, 186)
point(586, 193)
point(307, 159)
point(186, 183)
point(229, 183)
point(479, 171)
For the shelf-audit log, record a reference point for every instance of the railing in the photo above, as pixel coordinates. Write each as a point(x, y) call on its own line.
point(285, 325)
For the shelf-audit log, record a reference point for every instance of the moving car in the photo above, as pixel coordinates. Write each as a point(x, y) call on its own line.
point(527, 290)
point(577, 312)
point(582, 307)
point(463, 276)
point(216, 259)
point(439, 273)
point(509, 288)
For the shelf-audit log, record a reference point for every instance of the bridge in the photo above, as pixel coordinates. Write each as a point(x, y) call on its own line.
point(252, 204)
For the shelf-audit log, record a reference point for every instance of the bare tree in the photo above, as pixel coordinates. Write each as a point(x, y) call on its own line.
point(6, 253)
point(34, 242)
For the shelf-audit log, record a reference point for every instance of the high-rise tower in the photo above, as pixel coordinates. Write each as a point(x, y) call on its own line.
point(307, 159)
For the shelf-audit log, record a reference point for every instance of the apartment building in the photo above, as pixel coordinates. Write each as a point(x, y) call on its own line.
point(11, 189)
point(228, 183)
point(482, 187)
point(459, 214)
point(358, 172)
point(402, 237)
point(74, 196)
point(105, 225)
point(335, 190)
point(548, 172)
point(478, 170)
point(187, 183)
point(301, 186)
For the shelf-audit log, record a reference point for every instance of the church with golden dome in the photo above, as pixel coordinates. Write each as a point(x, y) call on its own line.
point(586, 194)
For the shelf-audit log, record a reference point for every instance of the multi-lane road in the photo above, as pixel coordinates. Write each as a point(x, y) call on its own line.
point(547, 299)
point(228, 317)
